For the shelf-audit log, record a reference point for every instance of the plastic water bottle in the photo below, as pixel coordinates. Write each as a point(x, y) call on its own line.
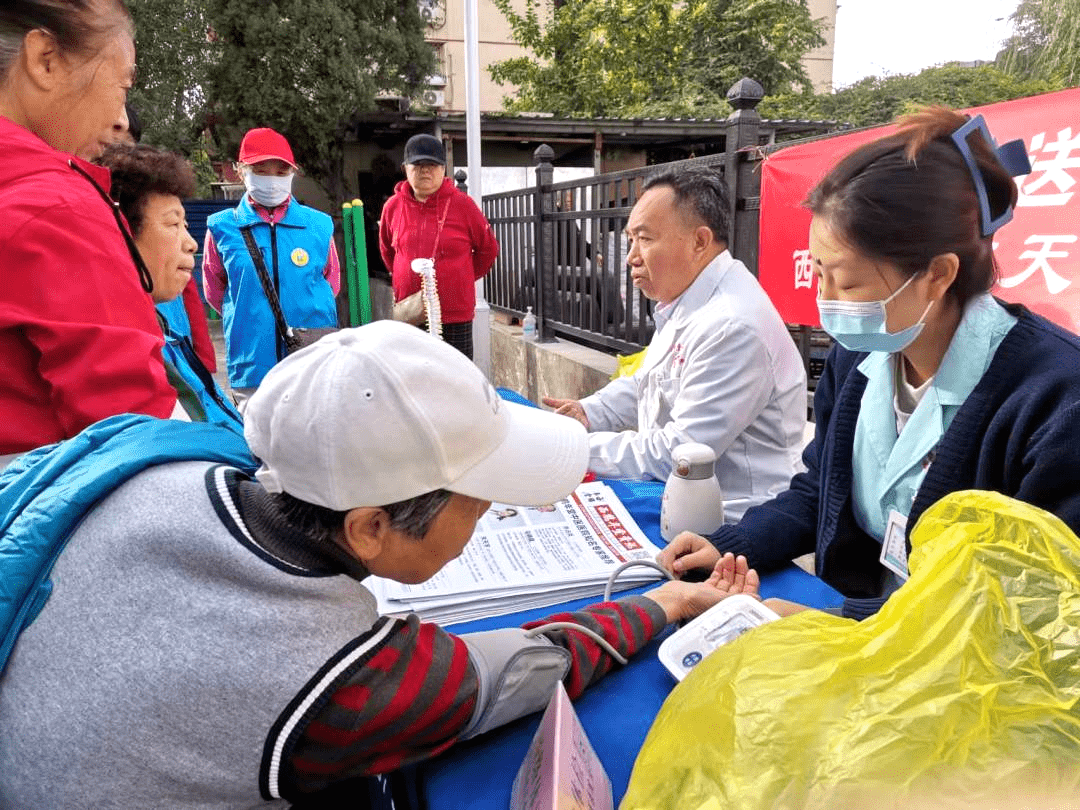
point(528, 325)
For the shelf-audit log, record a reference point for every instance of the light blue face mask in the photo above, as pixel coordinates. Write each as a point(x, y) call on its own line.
point(859, 326)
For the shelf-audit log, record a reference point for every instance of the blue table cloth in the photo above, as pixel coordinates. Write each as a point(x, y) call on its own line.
point(616, 713)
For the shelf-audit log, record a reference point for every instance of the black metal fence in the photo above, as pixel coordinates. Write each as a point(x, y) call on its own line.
point(563, 250)
point(563, 253)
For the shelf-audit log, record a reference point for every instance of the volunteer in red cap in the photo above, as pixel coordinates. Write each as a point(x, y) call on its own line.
point(297, 246)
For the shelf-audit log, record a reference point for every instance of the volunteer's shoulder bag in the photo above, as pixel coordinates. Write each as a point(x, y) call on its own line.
point(294, 337)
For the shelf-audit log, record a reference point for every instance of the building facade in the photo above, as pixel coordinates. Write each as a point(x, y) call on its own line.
point(582, 146)
point(446, 33)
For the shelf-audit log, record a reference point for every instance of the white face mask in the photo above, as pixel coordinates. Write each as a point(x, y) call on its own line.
point(267, 189)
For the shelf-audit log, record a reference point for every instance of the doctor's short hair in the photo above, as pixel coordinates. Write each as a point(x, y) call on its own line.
point(412, 517)
point(701, 192)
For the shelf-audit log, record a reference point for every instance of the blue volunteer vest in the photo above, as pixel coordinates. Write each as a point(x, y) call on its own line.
point(175, 314)
point(295, 251)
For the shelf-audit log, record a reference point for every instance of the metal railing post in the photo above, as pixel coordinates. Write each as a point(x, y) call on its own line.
point(544, 208)
point(744, 182)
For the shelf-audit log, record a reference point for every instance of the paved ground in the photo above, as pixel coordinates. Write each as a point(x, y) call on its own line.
point(219, 348)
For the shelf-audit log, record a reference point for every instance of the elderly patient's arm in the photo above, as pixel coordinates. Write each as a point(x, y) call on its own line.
point(685, 600)
point(419, 689)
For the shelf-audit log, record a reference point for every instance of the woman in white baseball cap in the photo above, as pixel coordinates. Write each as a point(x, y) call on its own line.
point(228, 617)
point(393, 444)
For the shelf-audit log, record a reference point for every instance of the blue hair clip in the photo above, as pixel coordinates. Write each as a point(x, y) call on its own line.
point(1012, 156)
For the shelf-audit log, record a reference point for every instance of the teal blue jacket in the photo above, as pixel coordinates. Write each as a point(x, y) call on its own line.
point(197, 391)
point(45, 493)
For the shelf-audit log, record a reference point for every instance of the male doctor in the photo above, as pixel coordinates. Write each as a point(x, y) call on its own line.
point(721, 368)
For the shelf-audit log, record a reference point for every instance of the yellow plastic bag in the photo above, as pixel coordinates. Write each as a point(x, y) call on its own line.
point(627, 364)
point(961, 692)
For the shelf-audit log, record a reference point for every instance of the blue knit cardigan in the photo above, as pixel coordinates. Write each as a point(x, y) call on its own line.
point(1018, 433)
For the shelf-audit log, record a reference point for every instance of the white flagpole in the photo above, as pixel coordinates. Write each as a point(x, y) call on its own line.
point(482, 315)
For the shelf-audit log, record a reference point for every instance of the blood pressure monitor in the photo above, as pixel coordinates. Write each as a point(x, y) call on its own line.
point(686, 647)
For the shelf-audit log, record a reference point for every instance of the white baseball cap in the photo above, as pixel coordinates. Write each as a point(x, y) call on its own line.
point(385, 412)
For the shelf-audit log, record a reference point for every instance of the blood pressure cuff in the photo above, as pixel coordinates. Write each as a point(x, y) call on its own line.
point(517, 674)
point(962, 691)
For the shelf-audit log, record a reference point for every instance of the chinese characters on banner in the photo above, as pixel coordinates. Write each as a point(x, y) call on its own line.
point(1038, 253)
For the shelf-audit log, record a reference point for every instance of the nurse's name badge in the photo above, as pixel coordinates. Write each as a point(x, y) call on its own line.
point(299, 257)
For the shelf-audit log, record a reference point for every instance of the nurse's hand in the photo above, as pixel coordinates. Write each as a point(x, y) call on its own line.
point(688, 551)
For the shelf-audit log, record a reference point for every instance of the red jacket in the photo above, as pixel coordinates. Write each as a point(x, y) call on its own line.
point(466, 247)
point(200, 329)
point(78, 337)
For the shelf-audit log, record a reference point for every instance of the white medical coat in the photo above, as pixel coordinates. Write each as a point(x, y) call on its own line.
point(723, 370)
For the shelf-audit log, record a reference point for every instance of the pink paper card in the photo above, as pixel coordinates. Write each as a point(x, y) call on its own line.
point(561, 770)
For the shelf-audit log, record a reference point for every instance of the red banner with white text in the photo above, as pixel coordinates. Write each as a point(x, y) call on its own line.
point(1037, 252)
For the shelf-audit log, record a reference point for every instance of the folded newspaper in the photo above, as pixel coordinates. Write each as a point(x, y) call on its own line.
point(523, 557)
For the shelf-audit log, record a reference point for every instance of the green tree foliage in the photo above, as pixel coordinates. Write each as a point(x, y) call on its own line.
point(878, 100)
point(174, 54)
point(631, 58)
point(763, 39)
point(307, 68)
point(1045, 42)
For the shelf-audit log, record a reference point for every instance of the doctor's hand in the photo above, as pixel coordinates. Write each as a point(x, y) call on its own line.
point(688, 551)
point(568, 407)
point(685, 600)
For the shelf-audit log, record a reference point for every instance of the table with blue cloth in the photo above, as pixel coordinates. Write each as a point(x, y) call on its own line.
point(616, 712)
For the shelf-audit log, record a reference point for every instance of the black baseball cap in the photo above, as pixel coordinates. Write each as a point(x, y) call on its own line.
point(425, 148)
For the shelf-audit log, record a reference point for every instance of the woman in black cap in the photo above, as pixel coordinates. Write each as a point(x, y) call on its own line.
point(428, 218)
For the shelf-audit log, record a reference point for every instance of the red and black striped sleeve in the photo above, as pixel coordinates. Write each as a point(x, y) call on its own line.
point(628, 625)
point(414, 695)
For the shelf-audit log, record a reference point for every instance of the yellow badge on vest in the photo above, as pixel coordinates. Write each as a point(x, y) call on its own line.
point(299, 257)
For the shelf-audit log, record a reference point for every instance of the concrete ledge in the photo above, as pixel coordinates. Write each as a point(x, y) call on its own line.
point(536, 370)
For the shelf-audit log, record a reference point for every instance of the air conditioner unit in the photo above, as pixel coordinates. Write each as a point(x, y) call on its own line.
point(433, 12)
point(433, 98)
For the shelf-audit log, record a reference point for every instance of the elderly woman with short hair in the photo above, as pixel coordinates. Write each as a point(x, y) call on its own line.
point(150, 186)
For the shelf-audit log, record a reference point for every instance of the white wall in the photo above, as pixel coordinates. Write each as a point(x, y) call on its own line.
point(511, 178)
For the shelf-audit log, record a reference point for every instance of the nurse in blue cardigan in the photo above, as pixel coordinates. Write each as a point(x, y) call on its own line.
point(933, 386)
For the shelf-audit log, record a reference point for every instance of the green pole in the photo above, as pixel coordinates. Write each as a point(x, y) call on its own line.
point(360, 254)
point(347, 217)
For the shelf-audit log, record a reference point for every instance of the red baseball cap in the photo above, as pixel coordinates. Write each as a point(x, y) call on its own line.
point(265, 144)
